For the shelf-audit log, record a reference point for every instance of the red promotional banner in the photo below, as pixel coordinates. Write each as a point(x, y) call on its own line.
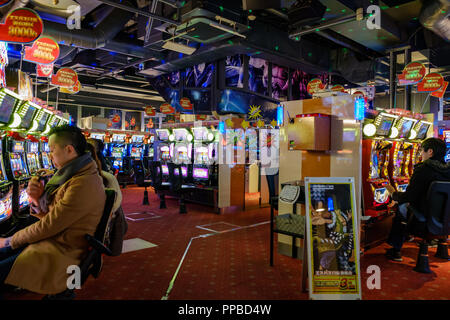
point(440, 93)
point(186, 103)
point(201, 117)
point(431, 82)
point(314, 86)
point(150, 111)
point(75, 89)
point(21, 26)
point(338, 87)
point(166, 108)
point(412, 74)
point(44, 70)
point(4, 2)
point(65, 77)
point(44, 50)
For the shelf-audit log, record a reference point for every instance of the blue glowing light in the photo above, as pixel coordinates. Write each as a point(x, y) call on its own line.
point(359, 109)
point(280, 115)
point(330, 204)
point(221, 127)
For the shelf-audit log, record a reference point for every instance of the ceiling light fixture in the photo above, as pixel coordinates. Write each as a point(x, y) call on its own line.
point(179, 47)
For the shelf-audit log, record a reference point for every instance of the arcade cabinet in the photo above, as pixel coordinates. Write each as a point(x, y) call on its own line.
point(164, 150)
point(118, 151)
point(32, 155)
point(182, 150)
point(377, 217)
point(419, 133)
point(136, 147)
point(149, 152)
point(204, 164)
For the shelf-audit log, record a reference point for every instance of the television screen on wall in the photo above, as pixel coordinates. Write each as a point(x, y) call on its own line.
point(200, 100)
point(258, 73)
point(234, 71)
point(234, 101)
point(199, 76)
point(280, 82)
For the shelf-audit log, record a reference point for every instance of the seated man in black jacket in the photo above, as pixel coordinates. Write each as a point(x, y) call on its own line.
point(432, 168)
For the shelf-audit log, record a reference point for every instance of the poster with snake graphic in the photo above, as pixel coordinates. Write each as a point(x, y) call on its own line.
point(332, 237)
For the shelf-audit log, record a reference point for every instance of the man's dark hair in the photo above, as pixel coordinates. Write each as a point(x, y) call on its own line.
point(67, 134)
point(437, 145)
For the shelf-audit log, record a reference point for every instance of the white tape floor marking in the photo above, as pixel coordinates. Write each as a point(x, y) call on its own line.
point(172, 282)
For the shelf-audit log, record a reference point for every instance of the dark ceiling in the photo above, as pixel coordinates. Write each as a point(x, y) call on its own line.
point(114, 61)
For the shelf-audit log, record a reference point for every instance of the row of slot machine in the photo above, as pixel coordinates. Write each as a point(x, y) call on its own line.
point(24, 150)
point(446, 136)
point(195, 149)
point(390, 150)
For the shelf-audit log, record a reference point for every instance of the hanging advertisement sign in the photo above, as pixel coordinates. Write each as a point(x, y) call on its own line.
point(24, 89)
point(166, 108)
point(186, 103)
point(431, 82)
point(22, 25)
point(65, 77)
point(44, 70)
point(338, 87)
point(150, 111)
point(75, 89)
point(4, 2)
point(3, 63)
point(332, 239)
point(412, 73)
point(44, 50)
point(315, 85)
point(440, 93)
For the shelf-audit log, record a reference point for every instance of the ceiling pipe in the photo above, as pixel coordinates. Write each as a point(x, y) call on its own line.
point(323, 26)
point(435, 17)
point(140, 12)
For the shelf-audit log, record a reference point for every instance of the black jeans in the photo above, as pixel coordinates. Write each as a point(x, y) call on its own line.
point(407, 220)
point(7, 258)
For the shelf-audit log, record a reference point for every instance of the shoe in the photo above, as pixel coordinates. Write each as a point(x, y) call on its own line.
point(394, 255)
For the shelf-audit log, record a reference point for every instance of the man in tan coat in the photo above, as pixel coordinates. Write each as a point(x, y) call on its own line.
point(70, 206)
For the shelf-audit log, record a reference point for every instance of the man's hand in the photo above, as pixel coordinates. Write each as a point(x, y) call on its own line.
point(4, 242)
point(35, 190)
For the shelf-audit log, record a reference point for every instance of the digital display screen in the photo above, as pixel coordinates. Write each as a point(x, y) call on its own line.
point(117, 164)
point(423, 131)
point(6, 207)
point(32, 161)
point(182, 157)
point(46, 161)
point(200, 173)
point(163, 135)
point(137, 139)
point(234, 71)
point(180, 135)
point(33, 147)
point(200, 100)
point(6, 108)
point(45, 147)
point(381, 195)
point(26, 119)
point(406, 128)
point(151, 152)
point(118, 138)
point(165, 155)
point(280, 82)
point(402, 187)
point(258, 71)
point(17, 165)
point(233, 101)
point(200, 76)
point(136, 152)
point(200, 134)
point(385, 126)
point(24, 199)
point(152, 139)
point(447, 136)
point(43, 121)
point(97, 136)
point(447, 156)
point(117, 152)
point(18, 147)
point(165, 170)
point(183, 172)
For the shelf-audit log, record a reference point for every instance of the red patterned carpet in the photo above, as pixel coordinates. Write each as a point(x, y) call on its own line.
point(232, 264)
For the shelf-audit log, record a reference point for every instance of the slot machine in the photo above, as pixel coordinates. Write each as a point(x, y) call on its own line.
point(44, 152)
point(6, 194)
point(136, 147)
point(164, 150)
point(418, 134)
point(149, 153)
point(446, 135)
point(32, 155)
point(205, 156)
point(182, 150)
point(375, 162)
point(118, 151)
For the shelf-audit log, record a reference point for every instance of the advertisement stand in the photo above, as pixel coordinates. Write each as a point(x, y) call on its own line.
point(332, 239)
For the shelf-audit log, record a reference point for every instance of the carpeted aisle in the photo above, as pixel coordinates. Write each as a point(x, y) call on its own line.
point(231, 262)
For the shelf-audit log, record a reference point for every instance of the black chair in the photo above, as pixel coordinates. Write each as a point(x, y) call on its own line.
point(178, 185)
point(159, 185)
point(92, 264)
point(139, 175)
point(436, 227)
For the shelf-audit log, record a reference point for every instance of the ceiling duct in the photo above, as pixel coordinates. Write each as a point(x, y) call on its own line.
point(436, 17)
point(305, 12)
point(89, 39)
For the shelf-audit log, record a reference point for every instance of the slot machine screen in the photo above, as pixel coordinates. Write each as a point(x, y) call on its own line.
point(201, 155)
point(117, 152)
point(6, 107)
point(151, 152)
point(137, 139)
point(385, 126)
point(163, 135)
point(6, 206)
point(406, 128)
point(18, 147)
point(119, 138)
point(183, 172)
point(165, 170)
point(45, 161)
point(41, 125)
point(33, 147)
point(117, 164)
point(381, 195)
point(402, 187)
point(180, 135)
point(2, 174)
point(24, 200)
point(374, 168)
point(98, 136)
point(32, 163)
point(26, 119)
point(136, 152)
point(152, 139)
point(200, 134)
point(200, 173)
point(17, 165)
point(423, 131)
